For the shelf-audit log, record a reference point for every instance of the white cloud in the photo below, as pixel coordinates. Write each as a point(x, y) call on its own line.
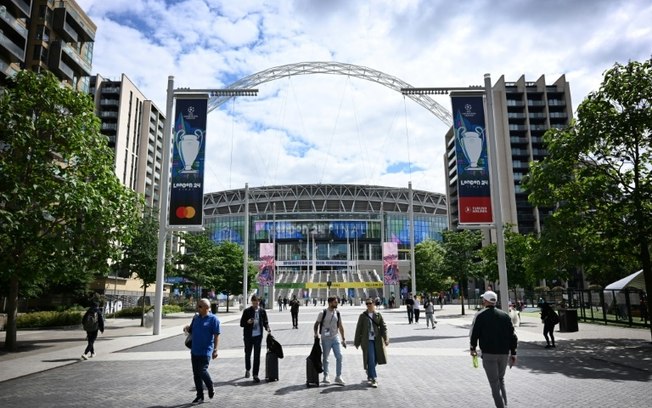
point(339, 129)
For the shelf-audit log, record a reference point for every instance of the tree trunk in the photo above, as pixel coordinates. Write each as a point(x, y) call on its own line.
point(12, 314)
point(142, 314)
point(462, 301)
point(647, 275)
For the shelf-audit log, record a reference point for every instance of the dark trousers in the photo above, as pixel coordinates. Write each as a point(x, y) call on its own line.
point(295, 319)
point(416, 315)
point(253, 343)
point(91, 336)
point(549, 328)
point(410, 313)
point(200, 373)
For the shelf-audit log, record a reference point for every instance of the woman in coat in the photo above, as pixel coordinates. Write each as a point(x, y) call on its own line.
point(371, 335)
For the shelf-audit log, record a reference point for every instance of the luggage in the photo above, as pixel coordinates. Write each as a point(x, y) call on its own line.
point(312, 376)
point(274, 346)
point(271, 367)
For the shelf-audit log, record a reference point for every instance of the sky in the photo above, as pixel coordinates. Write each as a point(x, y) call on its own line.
point(323, 128)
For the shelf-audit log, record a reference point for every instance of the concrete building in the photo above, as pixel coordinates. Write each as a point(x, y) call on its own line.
point(523, 112)
point(133, 126)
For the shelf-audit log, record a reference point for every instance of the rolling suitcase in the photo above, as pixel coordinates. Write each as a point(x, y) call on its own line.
point(312, 376)
point(271, 367)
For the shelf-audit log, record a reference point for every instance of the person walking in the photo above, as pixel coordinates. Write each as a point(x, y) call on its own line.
point(371, 335)
point(416, 308)
point(205, 332)
point(549, 318)
point(429, 308)
point(328, 324)
point(493, 329)
point(92, 322)
point(253, 321)
point(409, 304)
point(294, 311)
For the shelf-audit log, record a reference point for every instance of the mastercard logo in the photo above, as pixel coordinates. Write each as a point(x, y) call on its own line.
point(185, 212)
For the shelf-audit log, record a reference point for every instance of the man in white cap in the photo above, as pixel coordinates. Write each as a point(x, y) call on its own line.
point(494, 330)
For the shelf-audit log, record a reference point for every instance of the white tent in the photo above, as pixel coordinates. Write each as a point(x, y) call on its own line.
point(633, 281)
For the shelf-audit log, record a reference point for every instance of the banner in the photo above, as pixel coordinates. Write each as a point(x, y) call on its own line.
point(390, 263)
point(188, 148)
point(473, 189)
point(266, 266)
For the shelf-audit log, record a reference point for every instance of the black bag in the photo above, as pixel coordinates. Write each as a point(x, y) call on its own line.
point(188, 340)
point(274, 346)
point(315, 356)
point(312, 376)
point(271, 367)
point(554, 317)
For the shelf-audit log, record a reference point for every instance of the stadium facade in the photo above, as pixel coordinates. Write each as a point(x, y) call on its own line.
point(327, 232)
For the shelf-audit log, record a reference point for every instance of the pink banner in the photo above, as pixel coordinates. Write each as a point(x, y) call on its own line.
point(267, 263)
point(390, 263)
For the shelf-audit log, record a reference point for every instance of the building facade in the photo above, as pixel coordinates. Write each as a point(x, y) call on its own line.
point(523, 112)
point(133, 126)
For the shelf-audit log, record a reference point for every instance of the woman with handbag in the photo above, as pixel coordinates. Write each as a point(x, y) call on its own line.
point(371, 335)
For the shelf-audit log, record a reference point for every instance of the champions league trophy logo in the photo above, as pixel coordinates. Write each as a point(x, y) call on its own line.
point(188, 147)
point(471, 142)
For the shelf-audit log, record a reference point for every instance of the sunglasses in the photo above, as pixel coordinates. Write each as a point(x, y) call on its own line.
point(368, 303)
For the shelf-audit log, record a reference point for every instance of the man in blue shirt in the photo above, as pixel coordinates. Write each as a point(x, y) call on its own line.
point(205, 332)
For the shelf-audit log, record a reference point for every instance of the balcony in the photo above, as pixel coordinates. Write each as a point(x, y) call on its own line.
point(12, 50)
point(75, 22)
point(65, 51)
point(7, 21)
point(59, 67)
point(61, 26)
point(20, 8)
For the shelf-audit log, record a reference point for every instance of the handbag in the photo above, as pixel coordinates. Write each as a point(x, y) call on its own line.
point(188, 340)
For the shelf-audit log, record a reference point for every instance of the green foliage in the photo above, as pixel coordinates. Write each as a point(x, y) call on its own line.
point(48, 319)
point(599, 172)
point(429, 258)
point(167, 309)
point(133, 312)
point(62, 209)
point(201, 262)
point(140, 255)
point(517, 260)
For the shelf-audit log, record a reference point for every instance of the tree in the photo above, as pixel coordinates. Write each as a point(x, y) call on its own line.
point(140, 255)
point(517, 255)
point(201, 262)
point(62, 209)
point(429, 258)
point(461, 249)
point(600, 168)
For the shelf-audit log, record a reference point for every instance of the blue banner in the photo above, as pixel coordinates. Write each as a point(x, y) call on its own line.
point(188, 149)
point(474, 194)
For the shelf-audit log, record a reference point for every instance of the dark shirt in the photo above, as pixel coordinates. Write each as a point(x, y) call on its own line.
point(494, 329)
point(249, 313)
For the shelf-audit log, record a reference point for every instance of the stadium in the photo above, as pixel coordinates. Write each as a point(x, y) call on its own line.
point(327, 238)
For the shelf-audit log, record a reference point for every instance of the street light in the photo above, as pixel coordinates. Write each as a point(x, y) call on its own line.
point(492, 155)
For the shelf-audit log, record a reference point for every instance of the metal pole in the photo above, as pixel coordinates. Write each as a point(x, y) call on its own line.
point(163, 208)
point(494, 176)
point(412, 263)
point(245, 266)
point(273, 296)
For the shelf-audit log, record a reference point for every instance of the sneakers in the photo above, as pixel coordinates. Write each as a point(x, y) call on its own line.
point(374, 383)
point(326, 380)
point(339, 381)
point(92, 355)
point(84, 357)
point(247, 374)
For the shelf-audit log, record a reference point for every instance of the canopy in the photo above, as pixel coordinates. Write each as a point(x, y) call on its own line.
point(633, 281)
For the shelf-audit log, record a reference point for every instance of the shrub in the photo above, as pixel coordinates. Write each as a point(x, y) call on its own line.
point(48, 319)
point(136, 311)
point(172, 309)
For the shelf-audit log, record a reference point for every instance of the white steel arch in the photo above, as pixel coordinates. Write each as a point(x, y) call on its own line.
point(333, 68)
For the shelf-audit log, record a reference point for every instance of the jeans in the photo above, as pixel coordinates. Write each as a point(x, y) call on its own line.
point(328, 343)
point(494, 366)
point(200, 373)
point(371, 360)
point(253, 342)
point(410, 314)
point(295, 319)
point(92, 336)
point(430, 319)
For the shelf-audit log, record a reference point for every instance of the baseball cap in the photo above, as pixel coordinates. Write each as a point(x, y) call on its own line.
point(490, 297)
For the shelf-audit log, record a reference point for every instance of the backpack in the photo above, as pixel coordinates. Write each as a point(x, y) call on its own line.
point(554, 317)
point(323, 316)
point(90, 321)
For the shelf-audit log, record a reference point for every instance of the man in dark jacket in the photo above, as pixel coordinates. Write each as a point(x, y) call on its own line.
point(494, 330)
point(93, 322)
point(253, 321)
point(294, 311)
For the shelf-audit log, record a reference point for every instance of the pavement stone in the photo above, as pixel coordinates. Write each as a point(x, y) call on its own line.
point(598, 366)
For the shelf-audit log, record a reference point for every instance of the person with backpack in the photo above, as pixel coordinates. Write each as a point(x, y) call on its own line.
point(549, 318)
point(328, 324)
point(92, 322)
point(371, 335)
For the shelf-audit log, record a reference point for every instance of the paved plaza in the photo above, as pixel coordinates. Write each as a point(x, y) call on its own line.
point(598, 366)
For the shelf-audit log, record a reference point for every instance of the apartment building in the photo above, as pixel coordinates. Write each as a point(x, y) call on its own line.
point(523, 112)
point(133, 126)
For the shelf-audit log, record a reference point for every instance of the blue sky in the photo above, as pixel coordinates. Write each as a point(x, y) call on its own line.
point(342, 129)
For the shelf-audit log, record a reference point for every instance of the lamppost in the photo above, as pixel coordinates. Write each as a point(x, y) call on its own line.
point(492, 155)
